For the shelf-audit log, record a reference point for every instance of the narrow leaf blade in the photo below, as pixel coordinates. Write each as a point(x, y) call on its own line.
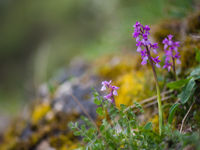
point(148, 126)
point(187, 91)
point(172, 112)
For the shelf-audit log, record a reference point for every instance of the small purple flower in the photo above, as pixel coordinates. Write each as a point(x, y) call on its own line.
point(168, 66)
point(170, 37)
point(112, 90)
point(144, 60)
point(154, 47)
point(156, 61)
point(143, 44)
point(115, 88)
point(171, 52)
point(105, 84)
point(108, 96)
point(147, 28)
point(165, 42)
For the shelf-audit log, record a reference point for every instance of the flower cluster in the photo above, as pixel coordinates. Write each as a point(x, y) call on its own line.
point(171, 52)
point(112, 90)
point(143, 44)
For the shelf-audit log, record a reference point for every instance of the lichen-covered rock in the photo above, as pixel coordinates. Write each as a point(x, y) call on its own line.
point(47, 126)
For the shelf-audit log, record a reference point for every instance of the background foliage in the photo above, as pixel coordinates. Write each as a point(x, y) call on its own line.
point(38, 37)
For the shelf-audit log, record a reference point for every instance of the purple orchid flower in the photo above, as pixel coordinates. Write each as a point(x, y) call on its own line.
point(112, 90)
point(171, 53)
point(141, 34)
point(144, 46)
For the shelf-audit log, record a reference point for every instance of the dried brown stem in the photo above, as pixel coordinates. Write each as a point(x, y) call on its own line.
point(174, 68)
point(185, 117)
point(153, 98)
point(84, 110)
point(154, 102)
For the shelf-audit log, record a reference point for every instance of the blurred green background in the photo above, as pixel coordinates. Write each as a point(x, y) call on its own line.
point(37, 37)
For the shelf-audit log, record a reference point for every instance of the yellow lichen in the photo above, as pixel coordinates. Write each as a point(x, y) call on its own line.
point(40, 111)
point(131, 86)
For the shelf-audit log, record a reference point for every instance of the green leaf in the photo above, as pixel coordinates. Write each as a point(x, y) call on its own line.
point(77, 133)
point(172, 112)
point(76, 125)
point(195, 73)
point(197, 57)
point(83, 127)
point(113, 111)
point(148, 126)
point(102, 127)
point(71, 125)
point(138, 106)
point(99, 111)
point(97, 101)
point(187, 91)
point(178, 84)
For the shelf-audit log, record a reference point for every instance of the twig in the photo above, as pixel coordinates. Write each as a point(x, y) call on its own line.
point(84, 110)
point(195, 36)
point(154, 97)
point(154, 102)
point(149, 99)
point(185, 117)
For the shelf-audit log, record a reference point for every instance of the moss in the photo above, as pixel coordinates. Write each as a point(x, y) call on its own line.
point(164, 28)
point(12, 134)
point(111, 67)
point(193, 23)
point(63, 142)
point(188, 53)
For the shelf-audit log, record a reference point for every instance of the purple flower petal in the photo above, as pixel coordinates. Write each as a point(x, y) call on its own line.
point(165, 41)
point(139, 49)
point(103, 88)
point(170, 36)
point(178, 61)
point(115, 92)
point(138, 39)
point(146, 28)
point(115, 87)
point(158, 65)
point(144, 61)
point(108, 96)
point(165, 46)
point(155, 51)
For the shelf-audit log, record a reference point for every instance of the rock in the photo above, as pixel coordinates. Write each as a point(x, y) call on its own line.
point(44, 146)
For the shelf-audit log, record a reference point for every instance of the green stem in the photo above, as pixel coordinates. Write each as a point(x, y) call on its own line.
point(174, 68)
point(160, 112)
